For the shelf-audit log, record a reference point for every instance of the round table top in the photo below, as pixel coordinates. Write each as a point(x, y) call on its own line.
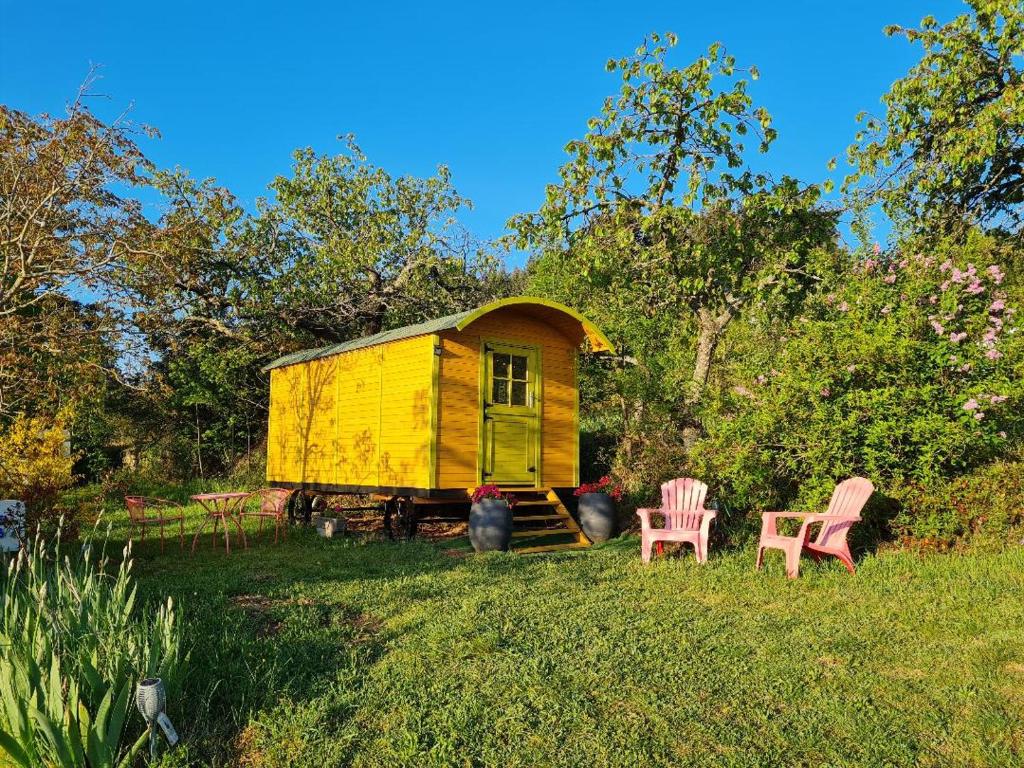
point(215, 496)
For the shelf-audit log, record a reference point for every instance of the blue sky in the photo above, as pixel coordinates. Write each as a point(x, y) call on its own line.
point(492, 90)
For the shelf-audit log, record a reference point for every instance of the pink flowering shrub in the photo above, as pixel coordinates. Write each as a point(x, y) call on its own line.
point(908, 371)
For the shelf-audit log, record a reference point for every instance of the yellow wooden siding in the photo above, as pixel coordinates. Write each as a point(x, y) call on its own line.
point(459, 406)
point(359, 418)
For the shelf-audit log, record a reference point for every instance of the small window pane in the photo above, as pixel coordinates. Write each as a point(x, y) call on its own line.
point(518, 393)
point(499, 393)
point(500, 366)
point(518, 367)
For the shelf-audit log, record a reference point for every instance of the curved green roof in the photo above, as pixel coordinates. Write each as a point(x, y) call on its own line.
point(598, 340)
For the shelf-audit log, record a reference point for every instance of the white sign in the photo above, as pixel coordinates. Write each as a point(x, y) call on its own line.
point(12, 525)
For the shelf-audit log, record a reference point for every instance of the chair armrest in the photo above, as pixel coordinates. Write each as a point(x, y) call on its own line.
point(645, 517)
point(776, 515)
point(705, 523)
point(768, 521)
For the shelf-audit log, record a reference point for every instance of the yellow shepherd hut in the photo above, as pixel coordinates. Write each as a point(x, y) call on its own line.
point(430, 411)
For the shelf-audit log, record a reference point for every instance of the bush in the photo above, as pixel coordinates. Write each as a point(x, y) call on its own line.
point(35, 466)
point(904, 370)
point(985, 507)
point(73, 651)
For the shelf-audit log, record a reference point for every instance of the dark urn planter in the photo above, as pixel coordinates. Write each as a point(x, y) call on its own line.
point(597, 516)
point(490, 525)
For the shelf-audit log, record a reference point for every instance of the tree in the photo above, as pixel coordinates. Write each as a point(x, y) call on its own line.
point(355, 251)
point(656, 199)
point(63, 230)
point(949, 152)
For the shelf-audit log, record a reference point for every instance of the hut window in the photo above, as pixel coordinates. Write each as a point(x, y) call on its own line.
point(509, 379)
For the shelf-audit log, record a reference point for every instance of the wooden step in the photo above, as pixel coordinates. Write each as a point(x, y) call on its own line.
point(542, 532)
point(541, 548)
point(528, 518)
point(533, 503)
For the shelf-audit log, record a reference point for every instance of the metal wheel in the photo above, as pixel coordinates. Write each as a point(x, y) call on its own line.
point(300, 507)
point(400, 518)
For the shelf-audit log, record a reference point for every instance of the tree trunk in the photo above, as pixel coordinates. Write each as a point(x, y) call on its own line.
point(199, 443)
point(710, 328)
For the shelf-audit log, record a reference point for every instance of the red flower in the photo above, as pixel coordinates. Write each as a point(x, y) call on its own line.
point(603, 485)
point(492, 492)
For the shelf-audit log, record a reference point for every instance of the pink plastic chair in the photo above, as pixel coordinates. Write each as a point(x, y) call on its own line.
point(686, 520)
point(848, 499)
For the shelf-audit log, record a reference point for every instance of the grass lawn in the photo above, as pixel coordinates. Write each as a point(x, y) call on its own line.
point(371, 653)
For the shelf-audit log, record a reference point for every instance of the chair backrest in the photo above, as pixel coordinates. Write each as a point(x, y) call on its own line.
point(682, 503)
point(272, 500)
point(848, 499)
point(136, 507)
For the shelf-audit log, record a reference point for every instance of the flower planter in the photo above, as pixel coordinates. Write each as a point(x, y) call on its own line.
point(329, 527)
point(597, 516)
point(12, 525)
point(490, 525)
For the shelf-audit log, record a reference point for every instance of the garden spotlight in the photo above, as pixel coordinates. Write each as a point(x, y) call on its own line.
point(151, 698)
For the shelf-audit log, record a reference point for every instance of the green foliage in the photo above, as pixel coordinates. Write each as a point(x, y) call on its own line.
point(950, 149)
point(904, 368)
point(73, 650)
point(985, 507)
point(355, 251)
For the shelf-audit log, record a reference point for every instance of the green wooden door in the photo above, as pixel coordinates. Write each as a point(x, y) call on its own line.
point(511, 427)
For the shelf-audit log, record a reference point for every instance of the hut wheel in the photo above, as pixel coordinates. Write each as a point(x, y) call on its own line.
point(301, 505)
point(400, 517)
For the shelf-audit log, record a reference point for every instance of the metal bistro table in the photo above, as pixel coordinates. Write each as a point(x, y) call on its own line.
point(221, 507)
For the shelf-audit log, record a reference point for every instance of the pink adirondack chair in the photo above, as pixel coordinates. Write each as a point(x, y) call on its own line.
point(848, 499)
point(686, 520)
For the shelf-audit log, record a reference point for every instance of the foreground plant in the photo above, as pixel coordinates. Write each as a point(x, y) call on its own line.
point(74, 648)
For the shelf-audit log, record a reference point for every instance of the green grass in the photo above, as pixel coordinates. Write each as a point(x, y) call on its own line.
point(371, 653)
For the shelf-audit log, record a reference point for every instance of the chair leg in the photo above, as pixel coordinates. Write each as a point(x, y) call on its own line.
point(213, 536)
point(760, 559)
point(199, 533)
point(846, 559)
point(645, 549)
point(792, 562)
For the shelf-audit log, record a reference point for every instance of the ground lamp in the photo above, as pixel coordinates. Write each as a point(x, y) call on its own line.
point(151, 698)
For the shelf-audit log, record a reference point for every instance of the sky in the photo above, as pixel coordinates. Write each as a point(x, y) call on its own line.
point(492, 90)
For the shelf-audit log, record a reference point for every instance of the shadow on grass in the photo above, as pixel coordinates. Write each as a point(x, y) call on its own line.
point(271, 625)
